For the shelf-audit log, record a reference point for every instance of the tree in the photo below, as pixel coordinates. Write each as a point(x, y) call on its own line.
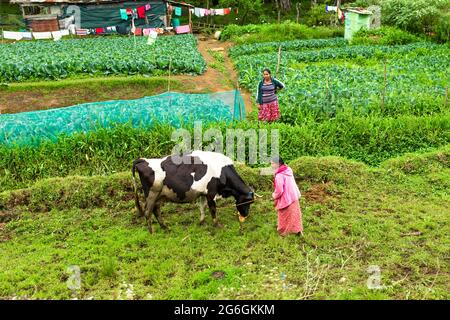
point(246, 7)
point(285, 5)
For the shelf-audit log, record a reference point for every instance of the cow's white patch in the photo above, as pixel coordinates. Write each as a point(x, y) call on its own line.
point(214, 162)
point(160, 174)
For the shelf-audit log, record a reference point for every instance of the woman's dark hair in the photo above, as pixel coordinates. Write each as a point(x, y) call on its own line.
point(268, 70)
point(278, 159)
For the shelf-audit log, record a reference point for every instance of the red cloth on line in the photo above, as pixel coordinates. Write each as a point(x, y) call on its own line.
point(226, 11)
point(141, 12)
point(99, 30)
point(129, 11)
point(290, 219)
point(138, 32)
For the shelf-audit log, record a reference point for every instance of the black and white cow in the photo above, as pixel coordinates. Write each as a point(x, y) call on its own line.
point(201, 175)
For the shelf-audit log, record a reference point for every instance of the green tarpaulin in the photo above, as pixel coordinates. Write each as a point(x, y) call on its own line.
point(108, 15)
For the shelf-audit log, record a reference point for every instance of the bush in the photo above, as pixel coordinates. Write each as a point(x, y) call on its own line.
point(413, 15)
point(317, 16)
point(412, 163)
point(384, 36)
point(442, 28)
point(277, 32)
point(368, 139)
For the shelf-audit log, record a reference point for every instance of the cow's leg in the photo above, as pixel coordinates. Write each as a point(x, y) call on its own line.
point(149, 205)
point(157, 213)
point(212, 210)
point(202, 204)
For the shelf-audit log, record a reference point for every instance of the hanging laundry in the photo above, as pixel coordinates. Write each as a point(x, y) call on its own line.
point(152, 37)
point(129, 11)
point(146, 32)
point(12, 35)
point(81, 32)
point(29, 36)
point(227, 11)
point(183, 29)
point(141, 12)
point(138, 32)
point(147, 7)
point(123, 14)
point(219, 12)
point(65, 33)
point(99, 30)
point(42, 35)
point(330, 8)
point(197, 12)
point(56, 35)
point(178, 11)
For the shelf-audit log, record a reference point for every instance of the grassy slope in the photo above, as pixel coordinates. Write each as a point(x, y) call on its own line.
point(395, 217)
point(41, 95)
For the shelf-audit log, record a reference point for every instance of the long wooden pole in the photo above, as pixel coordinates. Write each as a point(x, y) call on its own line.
point(190, 19)
point(446, 97)
point(279, 61)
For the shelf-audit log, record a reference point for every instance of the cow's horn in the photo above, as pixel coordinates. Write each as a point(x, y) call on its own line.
point(259, 196)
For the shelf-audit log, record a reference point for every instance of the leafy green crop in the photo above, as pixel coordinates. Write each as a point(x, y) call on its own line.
point(324, 76)
point(98, 56)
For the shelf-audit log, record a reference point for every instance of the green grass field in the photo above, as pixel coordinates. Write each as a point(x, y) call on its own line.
point(394, 217)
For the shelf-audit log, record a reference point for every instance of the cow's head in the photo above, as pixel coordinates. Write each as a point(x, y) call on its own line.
point(243, 204)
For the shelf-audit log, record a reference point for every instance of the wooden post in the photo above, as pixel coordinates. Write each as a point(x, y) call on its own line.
point(338, 5)
point(279, 60)
point(170, 67)
point(328, 88)
point(190, 19)
point(279, 12)
point(446, 97)
point(207, 7)
point(384, 86)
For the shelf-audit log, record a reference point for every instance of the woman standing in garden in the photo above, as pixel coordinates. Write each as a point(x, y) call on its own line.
point(286, 197)
point(266, 97)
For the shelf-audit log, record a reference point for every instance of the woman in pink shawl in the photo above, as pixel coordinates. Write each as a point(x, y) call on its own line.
point(286, 196)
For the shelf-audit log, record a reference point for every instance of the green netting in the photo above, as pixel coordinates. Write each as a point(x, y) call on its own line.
point(30, 128)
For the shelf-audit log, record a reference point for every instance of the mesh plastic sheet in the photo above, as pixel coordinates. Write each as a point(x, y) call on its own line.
point(30, 128)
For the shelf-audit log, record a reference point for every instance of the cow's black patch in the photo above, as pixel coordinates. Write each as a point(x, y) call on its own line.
point(146, 175)
point(231, 184)
point(179, 176)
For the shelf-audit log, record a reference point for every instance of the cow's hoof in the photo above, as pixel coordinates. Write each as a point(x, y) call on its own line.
point(218, 225)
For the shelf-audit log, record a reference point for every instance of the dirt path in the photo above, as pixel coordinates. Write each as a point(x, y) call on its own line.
point(212, 80)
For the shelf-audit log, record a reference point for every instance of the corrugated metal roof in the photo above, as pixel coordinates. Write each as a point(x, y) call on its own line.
point(359, 11)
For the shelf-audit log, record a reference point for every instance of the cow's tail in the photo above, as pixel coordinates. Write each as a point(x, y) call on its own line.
point(136, 195)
